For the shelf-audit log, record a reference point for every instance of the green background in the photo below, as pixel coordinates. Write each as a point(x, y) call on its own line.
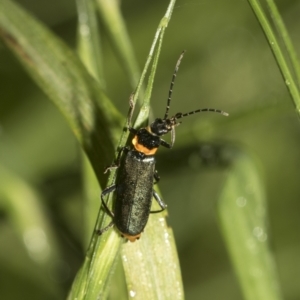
point(229, 66)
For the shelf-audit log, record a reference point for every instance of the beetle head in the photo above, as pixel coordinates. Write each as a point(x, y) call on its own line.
point(162, 126)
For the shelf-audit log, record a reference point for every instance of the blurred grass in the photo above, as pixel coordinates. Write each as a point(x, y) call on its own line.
point(243, 216)
point(228, 65)
point(290, 72)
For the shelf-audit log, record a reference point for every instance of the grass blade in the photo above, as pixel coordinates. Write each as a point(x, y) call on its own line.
point(151, 265)
point(78, 95)
point(60, 74)
point(89, 46)
point(93, 281)
point(287, 74)
point(242, 212)
point(24, 209)
point(281, 29)
point(114, 24)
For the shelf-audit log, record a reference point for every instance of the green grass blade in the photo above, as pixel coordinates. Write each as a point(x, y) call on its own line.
point(242, 212)
point(89, 45)
point(24, 210)
point(94, 277)
point(114, 24)
point(281, 29)
point(151, 264)
point(277, 51)
point(23, 206)
point(92, 201)
point(60, 74)
point(154, 52)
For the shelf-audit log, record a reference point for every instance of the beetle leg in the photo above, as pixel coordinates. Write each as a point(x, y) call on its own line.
point(116, 164)
point(165, 144)
point(161, 203)
point(106, 191)
point(132, 130)
point(100, 231)
point(156, 177)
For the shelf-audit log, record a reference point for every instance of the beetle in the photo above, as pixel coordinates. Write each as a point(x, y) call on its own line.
point(137, 174)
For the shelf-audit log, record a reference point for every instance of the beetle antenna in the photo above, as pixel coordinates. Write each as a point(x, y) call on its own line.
point(181, 115)
point(172, 84)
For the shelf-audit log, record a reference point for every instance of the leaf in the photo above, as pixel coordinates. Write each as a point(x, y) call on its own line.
point(96, 124)
point(24, 209)
point(61, 75)
point(278, 51)
point(151, 264)
point(116, 30)
point(243, 216)
point(89, 46)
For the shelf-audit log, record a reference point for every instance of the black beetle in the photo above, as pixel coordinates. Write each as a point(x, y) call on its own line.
point(136, 174)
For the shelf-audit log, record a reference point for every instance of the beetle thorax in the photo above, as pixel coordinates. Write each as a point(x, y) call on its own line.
point(146, 142)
